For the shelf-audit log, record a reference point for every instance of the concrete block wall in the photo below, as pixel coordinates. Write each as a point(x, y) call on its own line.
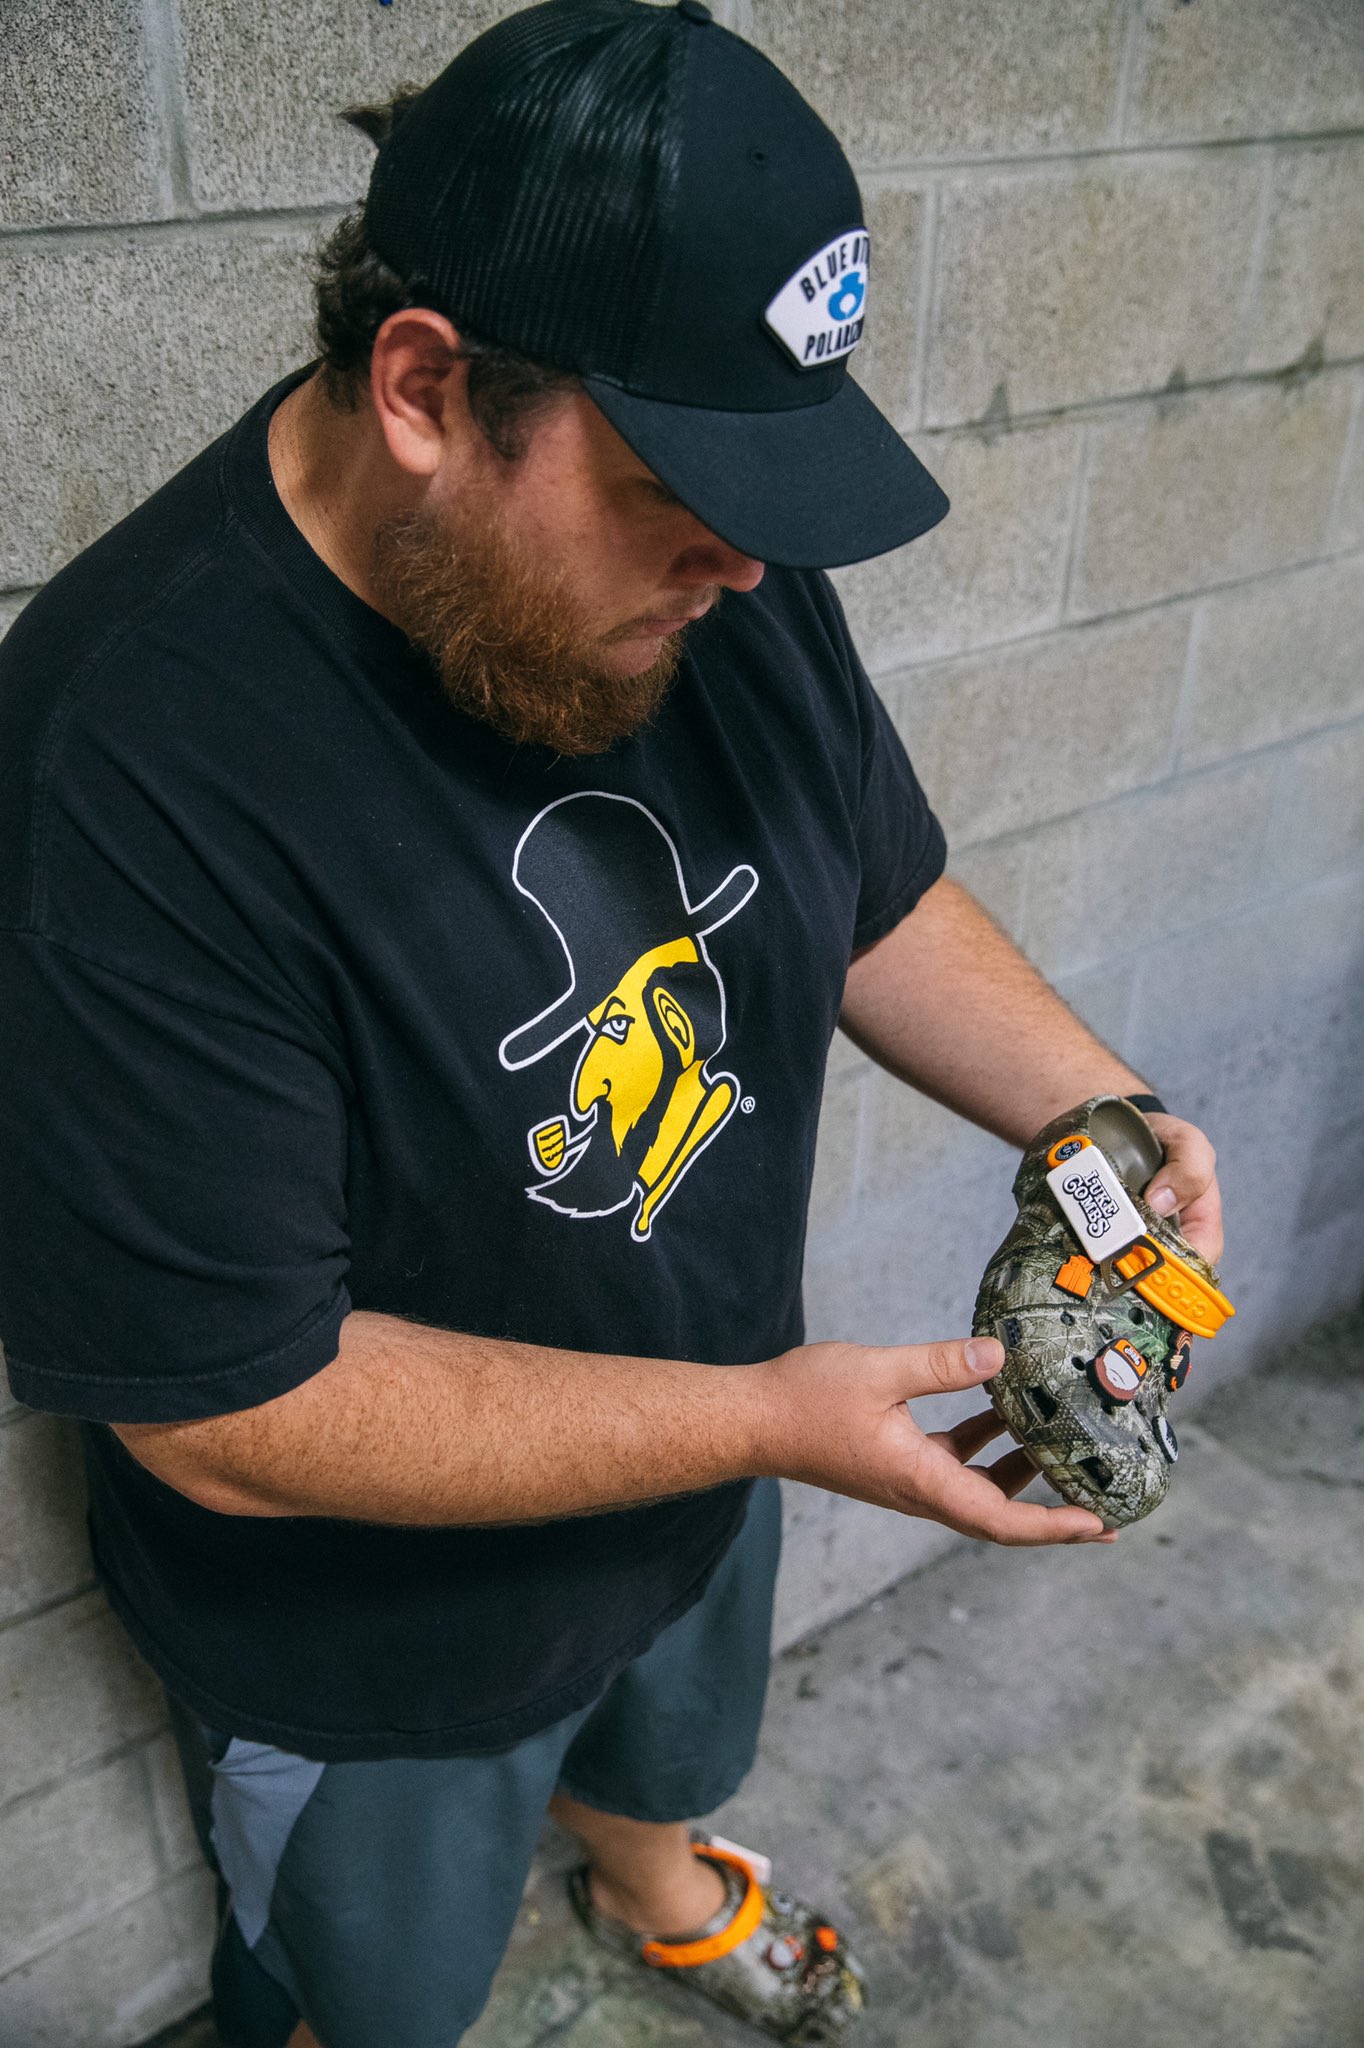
point(1118, 307)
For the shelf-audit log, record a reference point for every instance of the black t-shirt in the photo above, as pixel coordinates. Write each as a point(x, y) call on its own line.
point(320, 995)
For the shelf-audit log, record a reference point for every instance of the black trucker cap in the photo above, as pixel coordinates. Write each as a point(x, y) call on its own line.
point(631, 193)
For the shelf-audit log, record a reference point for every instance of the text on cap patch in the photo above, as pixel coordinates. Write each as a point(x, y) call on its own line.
point(819, 313)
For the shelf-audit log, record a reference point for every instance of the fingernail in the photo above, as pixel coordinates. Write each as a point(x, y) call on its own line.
point(984, 1354)
point(1164, 1201)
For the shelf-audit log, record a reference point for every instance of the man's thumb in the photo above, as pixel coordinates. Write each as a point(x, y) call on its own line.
point(945, 1368)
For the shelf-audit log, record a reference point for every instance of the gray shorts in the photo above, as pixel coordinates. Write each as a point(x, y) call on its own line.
point(374, 1900)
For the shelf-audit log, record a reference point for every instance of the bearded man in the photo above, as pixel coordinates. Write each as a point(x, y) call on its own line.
point(471, 733)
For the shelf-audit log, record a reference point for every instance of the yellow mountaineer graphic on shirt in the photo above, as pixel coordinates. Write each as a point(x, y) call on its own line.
point(644, 1007)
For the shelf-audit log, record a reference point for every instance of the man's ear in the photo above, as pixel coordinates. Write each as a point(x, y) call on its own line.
point(676, 1023)
point(418, 383)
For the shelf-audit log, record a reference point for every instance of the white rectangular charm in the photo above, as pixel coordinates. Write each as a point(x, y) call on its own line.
point(1095, 1204)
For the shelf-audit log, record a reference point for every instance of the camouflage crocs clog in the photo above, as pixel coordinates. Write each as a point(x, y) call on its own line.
point(764, 1956)
point(1096, 1301)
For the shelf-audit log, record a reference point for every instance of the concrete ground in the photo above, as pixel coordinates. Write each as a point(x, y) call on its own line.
point(1072, 1799)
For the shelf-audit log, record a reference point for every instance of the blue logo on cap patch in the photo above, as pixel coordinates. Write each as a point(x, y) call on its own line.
point(849, 296)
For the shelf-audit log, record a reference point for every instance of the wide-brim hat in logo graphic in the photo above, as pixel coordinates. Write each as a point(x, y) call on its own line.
point(641, 1000)
point(634, 194)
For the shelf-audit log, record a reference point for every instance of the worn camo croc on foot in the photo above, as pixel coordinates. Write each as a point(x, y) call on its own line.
point(764, 1956)
point(1096, 1301)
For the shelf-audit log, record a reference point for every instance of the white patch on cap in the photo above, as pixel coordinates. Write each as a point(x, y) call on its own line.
point(819, 313)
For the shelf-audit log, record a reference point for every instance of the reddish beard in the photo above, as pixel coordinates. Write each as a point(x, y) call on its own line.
point(509, 644)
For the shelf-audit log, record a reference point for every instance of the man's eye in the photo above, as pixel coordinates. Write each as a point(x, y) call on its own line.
point(617, 1028)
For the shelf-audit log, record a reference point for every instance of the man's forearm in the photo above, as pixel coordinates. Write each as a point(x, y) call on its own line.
point(426, 1426)
point(947, 1002)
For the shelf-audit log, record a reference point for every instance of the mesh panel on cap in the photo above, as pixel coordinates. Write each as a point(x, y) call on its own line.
point(545, 151)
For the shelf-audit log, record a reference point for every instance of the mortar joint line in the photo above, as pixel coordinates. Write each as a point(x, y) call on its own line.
point(892, 671)
point(173, 227)
point(161, 31)
point(925, 311)
point(49, 1606)
point(85, 1767)
point(1354, 434)
point(1194, 148)
point(1127, 65)
point(82, 1923)
point(1251, 289)
point(1075, 513)
point(1187, 685)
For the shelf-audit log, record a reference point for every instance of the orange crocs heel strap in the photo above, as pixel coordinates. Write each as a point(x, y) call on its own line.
point(685, 1955)
point(1174, 1289)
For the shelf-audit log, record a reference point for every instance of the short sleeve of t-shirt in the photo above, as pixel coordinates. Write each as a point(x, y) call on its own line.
point(172, 1201)
point(899, 840)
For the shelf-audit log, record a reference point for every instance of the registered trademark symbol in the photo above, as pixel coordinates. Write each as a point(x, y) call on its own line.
point(748, 1105)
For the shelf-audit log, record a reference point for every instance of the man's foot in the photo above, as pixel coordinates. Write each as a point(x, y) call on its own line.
point(681, 1898)
point(762, 1955)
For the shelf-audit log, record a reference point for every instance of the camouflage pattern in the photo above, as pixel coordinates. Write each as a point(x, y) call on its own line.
point(1113, 1457)
point(784, 1979)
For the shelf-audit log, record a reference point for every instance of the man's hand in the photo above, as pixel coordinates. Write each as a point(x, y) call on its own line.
point(838, 1420)
point(1186, 1186)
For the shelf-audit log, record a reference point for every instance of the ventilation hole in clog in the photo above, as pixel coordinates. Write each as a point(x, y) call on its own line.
point(1080, 1364)
point(1043, 1404)
point(1099, 1470)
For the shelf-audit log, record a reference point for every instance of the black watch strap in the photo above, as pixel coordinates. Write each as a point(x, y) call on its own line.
point(1150, 1105)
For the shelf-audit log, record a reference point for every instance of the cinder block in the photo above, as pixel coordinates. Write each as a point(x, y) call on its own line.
point(70, 1854)
point(74, 1689)
point(884, 364)
point(1101, 997)
point(996, 875)
point(177, 1844)
point(1319, 817)
point(992, 570)
point(1129, 874)
point(1274, 659)
point(43, 1547)
point(907, 1268)
point(1006, 739)
point(844, 1058)
point(1058, 286)
point(905, 79)
point(910, 1141)
point(264, 86)
point(1311, 291)
point(836, 1155)
point(76, 113)
point(122, 1980)
point(1201, 489)
point(10, 608)
point(1245, 67)
point(1282, 978)
point(837, 1553)
point(126, 357)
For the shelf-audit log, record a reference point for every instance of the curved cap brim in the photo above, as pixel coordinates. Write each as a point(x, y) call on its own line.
point(810, 488)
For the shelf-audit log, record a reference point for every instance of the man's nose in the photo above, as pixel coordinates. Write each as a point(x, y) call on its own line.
point(712, 560)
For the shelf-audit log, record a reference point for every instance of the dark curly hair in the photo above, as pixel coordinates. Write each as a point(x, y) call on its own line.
point(354, 292)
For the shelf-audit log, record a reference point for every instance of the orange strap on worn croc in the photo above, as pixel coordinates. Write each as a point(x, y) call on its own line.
point(685, 1955)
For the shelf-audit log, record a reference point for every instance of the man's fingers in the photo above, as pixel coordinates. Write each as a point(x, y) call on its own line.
point(1011, 1473)
point(968, 1500)
point(1190, 1167)
point(970, 1437)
